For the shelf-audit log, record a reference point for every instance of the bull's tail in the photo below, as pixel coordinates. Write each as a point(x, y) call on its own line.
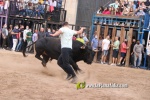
point(24, 49)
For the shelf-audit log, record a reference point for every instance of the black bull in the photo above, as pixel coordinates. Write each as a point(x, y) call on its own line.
point(50, 48)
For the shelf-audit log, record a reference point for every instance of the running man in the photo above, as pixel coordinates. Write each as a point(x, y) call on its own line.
point(66, 35)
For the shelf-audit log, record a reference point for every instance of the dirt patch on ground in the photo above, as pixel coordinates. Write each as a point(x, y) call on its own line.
point(25, 79)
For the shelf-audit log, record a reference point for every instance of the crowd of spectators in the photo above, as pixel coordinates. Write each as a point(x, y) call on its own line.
point(30, 8)
point(102, 47)
point(17, 38)
point(125, 8)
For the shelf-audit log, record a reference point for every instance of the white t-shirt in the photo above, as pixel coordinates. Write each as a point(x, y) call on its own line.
point(51, 3)
point(66, 37)
point(6, 4)
point(106, 44)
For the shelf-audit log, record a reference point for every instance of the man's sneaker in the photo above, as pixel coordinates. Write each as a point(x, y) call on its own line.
point(69, 76)
point(102, 62)
point(74, 80)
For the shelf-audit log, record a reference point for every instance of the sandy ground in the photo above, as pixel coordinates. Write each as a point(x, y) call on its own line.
point(25, 79)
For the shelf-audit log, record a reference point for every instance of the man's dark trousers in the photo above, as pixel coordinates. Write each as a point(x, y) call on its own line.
point(63, 61)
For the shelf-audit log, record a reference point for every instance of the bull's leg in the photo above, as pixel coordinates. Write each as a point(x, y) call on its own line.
point(38, 57)
point(45, 60)
point(75, 66)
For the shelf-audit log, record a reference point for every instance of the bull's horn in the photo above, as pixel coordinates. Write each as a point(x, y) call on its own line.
point(82, 47)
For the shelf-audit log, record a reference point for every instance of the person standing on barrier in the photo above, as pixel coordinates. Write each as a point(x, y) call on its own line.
point(4, 36)
point(105, 48)
point(132, 53)
point(66, 35)
point(14, 33)
point(115, 50)
point(123, 51)
point(138, 50)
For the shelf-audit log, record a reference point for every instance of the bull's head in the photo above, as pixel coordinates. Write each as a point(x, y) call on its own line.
point(87, 54)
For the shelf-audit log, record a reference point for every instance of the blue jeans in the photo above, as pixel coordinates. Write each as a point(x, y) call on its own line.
point(29, 12)
point(22, 12)
point(39, 13)
point(19, 45)
point(146, 21)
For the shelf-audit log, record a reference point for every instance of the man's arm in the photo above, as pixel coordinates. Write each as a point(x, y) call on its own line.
point(56, 33)
point(80, 31)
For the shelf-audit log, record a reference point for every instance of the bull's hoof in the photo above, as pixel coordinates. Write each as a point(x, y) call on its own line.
point(44, 64)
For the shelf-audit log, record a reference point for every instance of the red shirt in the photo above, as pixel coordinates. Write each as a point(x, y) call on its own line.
point(123, 47)
point(106, 12)
point(118, 13)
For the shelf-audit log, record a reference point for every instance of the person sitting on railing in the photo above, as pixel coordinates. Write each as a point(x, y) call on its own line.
point(125, 11)
point(21, 9)
point(52, 4)
point(29, 9)
point(18, 3)
point(115, 5)
point(131, 12)
point(106, 12)
point(140, 12)
point(143, 5)
point(59, 3)
point(118, 13)
point(39, 10)
point(6, 5)
point(100, 10)
point(1, 6)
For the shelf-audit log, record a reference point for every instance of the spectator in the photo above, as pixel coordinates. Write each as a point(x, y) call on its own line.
point(148, 58)
point(86, 41)
point(123, 51)
point(25, 36)
point(99, 49)
point(107, 11)
point(39, 10)
point(21, 30)
point(115, 51)
point(138, 50)
point(4, 36)
point(25, 33)
point(41, 34)
point(59, 3)
point(126, 11)
point(22, 10)
point(15, 32)
point(100, 10)
point(94, 44)
point(74, 38)
point(29, 10)
point(132, 53)
point(52, 4)
point(10, 43)
point(1, 6)
point(53, 31)
point(131, 12)
point(140, 12)
point(80, 39)
point(105, 48)
point(48, 32)
point(6, 5)
point(35, 38)
point(29, 40)
point(115, 5)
